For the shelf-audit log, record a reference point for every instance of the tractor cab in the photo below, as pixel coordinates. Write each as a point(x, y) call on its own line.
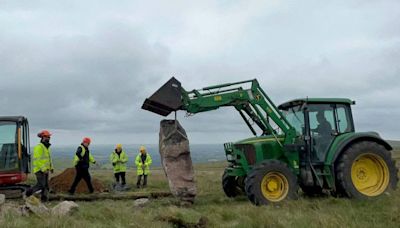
point(321, 120)
point(14, 152)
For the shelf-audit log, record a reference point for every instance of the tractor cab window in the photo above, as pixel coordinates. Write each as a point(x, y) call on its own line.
point(344, 119)
point(8, 146)
point(322, 125)
point(295, 116)
point(322, 121)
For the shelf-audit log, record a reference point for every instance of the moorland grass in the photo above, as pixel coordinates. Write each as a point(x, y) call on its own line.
point(216, 209)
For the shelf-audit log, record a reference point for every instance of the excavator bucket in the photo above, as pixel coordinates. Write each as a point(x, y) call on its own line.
point(166, 99)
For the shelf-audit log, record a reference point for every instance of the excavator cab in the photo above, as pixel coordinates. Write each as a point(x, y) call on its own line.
point(14, 153)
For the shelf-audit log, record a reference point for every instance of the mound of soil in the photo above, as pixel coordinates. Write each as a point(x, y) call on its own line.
point(63, 181)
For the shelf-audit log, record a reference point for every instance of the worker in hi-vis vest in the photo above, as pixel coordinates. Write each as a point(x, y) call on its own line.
point(82, 160)
point(143, 162)
point(42, 165)
point(119, 159)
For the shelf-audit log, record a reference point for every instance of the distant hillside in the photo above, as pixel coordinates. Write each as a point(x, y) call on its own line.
point(200, 153)
point(395, 144)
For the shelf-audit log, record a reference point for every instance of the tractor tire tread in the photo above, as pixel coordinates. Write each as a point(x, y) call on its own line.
point(251, 182)
point(229, 186)
point(343, 169)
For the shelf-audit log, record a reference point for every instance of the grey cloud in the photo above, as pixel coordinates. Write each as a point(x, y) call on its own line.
point(91, 80)
point(85, 67)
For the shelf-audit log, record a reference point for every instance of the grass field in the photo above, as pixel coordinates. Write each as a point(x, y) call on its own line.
point(219, 211)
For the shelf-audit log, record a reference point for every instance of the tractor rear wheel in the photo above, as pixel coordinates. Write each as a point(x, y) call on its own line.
point(271, 182)
point(231, 185)
point(365, 170)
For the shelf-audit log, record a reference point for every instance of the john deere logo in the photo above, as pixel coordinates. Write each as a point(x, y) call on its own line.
point(258, 97)
point(217, 98)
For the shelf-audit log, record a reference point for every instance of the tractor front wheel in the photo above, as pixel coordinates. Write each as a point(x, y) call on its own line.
point(365, 170)
point(231, 185)
point(271, 182)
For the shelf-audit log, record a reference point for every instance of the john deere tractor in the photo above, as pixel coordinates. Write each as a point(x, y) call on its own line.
point(307, 143)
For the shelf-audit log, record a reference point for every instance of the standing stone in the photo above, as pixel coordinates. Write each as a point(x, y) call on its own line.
point(176, 160)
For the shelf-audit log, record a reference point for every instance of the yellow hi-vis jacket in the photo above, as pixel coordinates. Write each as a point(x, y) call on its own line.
point(119, 161)
point(41, 158)
point(143, 168)
point(76, 158)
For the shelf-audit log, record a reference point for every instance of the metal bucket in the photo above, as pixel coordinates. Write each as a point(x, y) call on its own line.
point(166, 99)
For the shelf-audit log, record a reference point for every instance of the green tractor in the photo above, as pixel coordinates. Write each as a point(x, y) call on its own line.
point(305, 143)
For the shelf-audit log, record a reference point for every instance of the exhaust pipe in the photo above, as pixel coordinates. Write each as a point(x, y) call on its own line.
point(166, 99)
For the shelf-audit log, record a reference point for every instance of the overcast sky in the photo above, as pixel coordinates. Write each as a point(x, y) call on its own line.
point(83, 68)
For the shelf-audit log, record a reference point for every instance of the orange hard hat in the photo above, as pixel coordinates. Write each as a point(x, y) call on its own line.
point(86, 140)
point(44, 133)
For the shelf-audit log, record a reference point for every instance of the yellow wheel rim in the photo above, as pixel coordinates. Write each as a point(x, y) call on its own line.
point(274, 186)
point(370, 174)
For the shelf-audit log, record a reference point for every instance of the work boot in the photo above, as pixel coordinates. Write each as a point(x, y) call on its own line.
point(28, 192)
point(44, 199)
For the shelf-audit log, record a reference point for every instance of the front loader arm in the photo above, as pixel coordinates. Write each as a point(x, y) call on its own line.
point(252, 103)
point(203, 100)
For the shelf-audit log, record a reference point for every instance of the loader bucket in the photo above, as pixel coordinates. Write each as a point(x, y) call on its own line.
point(166, 99)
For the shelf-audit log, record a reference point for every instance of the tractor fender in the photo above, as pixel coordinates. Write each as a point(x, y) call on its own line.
point(360, 137)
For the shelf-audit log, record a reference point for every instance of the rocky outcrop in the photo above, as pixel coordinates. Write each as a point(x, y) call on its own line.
point(64, 208)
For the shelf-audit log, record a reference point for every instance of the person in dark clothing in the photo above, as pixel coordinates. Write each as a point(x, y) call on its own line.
point(324, 127)
point(42, 165)
point(323, 139)
point(82, 161)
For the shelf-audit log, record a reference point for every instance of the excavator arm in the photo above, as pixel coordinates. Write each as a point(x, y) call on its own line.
point(247, 97)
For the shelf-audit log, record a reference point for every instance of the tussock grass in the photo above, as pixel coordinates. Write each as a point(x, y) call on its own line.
point(219, 210)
